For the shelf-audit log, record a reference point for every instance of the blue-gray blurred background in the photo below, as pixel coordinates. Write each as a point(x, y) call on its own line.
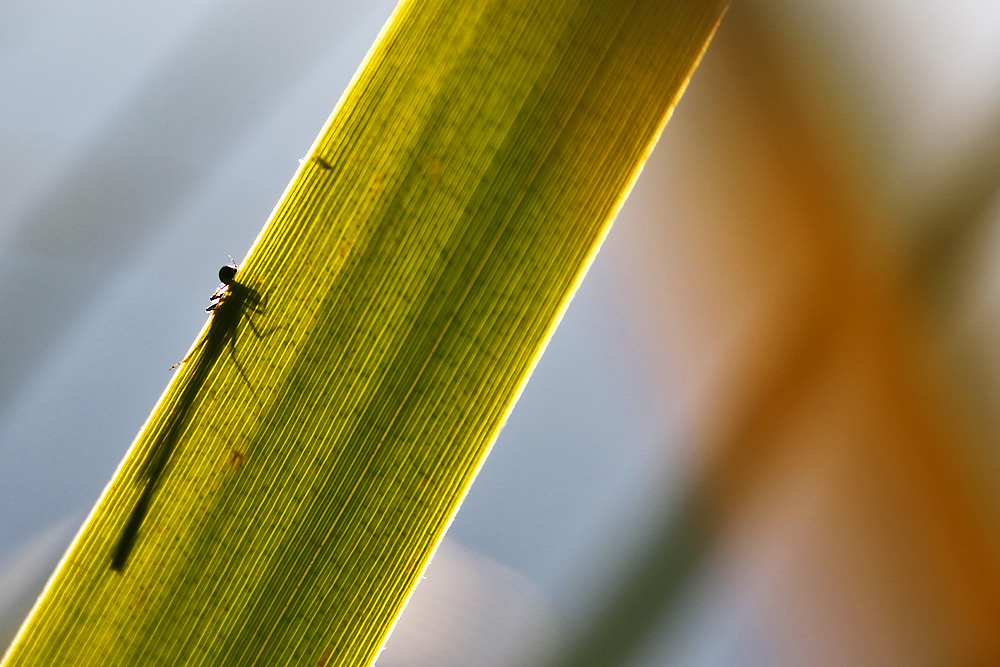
point(763, 435)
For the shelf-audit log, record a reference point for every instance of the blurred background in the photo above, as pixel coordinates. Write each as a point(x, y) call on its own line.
point(764, 434)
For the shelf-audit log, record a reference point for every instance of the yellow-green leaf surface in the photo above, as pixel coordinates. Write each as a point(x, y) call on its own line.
point(290, 486)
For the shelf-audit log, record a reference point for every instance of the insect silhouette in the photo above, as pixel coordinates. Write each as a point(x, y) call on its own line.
point(229, 303)
point(227, 274)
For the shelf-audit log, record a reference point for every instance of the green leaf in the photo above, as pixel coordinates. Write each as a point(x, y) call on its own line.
point(291, 484)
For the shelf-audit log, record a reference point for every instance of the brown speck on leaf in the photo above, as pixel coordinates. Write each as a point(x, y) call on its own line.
point(324, 658)
point(435, 169)
point(376, 185)
point(235, 458)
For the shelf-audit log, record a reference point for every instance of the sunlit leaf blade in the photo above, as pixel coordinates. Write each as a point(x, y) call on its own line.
point(295, 477)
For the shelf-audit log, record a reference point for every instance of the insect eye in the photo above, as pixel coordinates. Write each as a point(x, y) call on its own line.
point(226, 274)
